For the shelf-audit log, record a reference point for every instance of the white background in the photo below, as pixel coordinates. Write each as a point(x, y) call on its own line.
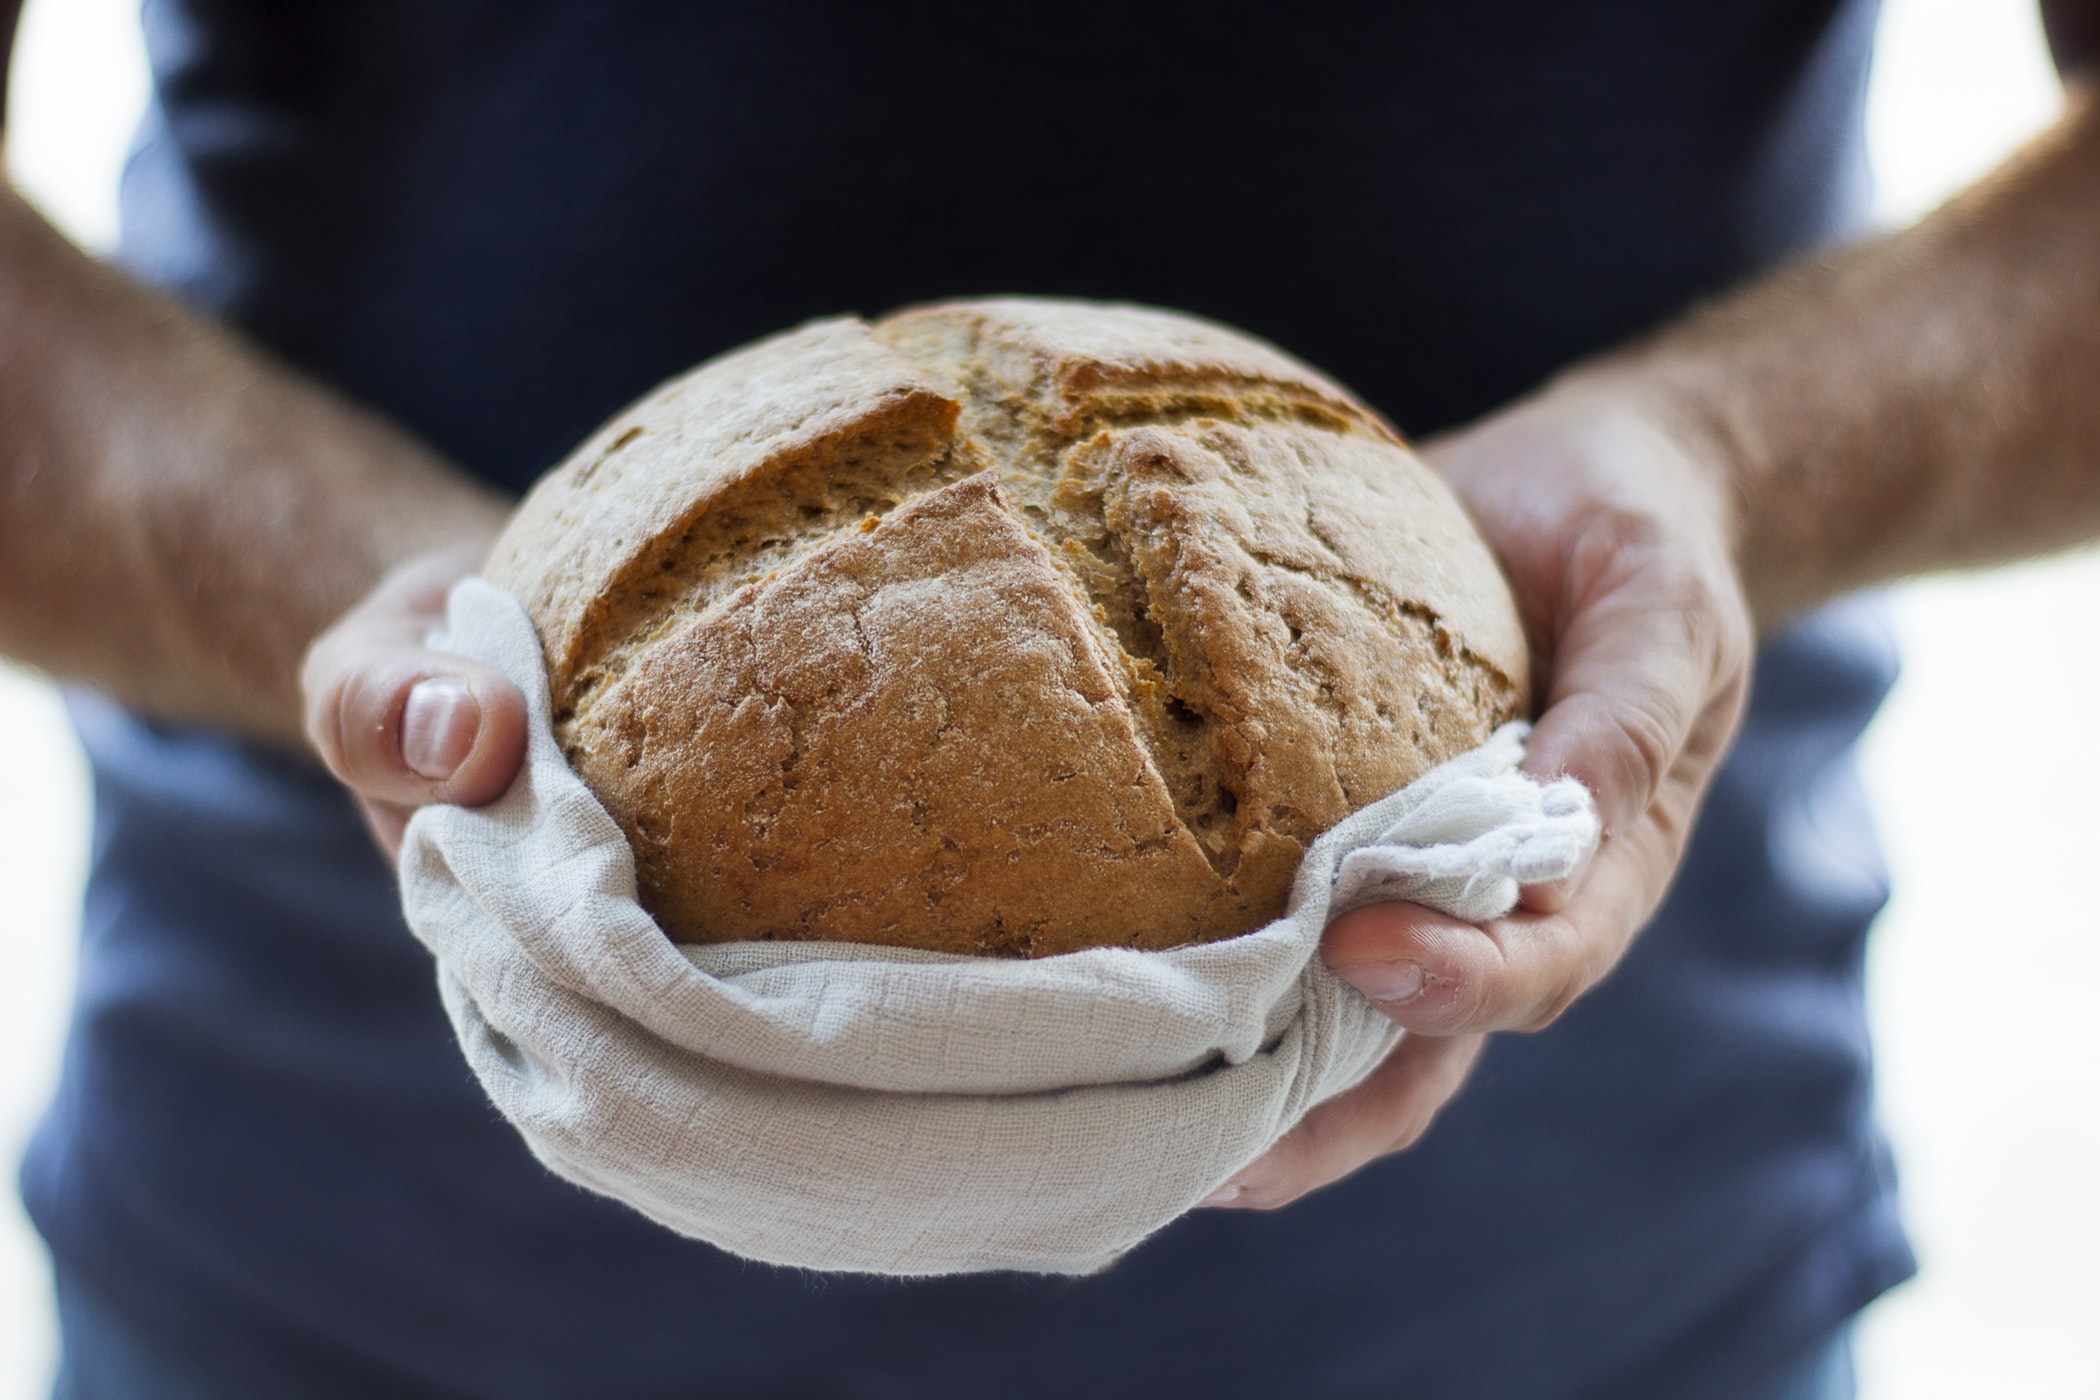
point(1984, 969)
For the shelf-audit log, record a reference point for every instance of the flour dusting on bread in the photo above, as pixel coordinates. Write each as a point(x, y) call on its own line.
point(1007, 627)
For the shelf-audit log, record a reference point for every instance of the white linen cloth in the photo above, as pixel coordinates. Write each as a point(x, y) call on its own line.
point(844, 1107)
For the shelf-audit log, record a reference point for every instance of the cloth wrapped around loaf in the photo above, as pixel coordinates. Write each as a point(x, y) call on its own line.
point(869, 1109)
point(1050, 631)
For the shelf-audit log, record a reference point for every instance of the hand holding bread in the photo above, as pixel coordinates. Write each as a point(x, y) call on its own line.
point(1620, 540)
point(1147, 529)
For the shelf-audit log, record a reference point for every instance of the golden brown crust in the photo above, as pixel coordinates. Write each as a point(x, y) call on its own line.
point(770, 442)
point(1003, 627)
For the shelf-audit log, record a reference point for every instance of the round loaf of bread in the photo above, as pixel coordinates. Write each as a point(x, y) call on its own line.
point(1005, 627)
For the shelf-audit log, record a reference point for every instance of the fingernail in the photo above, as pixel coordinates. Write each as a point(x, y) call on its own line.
point(1572, 881)
point(1555, 895)
point(1224, 1196)
point(438, 726)
point(1387, 982)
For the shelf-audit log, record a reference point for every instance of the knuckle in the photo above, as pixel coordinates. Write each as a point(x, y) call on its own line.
point(1615, 544)
point(1556, 1003)
point(1610, 544)
point(1475, 992)
point(1624, 525)
point(1642, 739)
point(1575, 962)
point(1474, 1001)
point(1717, 626)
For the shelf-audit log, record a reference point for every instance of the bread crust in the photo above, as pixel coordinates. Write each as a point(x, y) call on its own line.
point(1008, 627)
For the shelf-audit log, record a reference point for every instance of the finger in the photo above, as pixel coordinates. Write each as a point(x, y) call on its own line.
point(409, 726)
point(1651, 647)
point(402, 725)
point(1386, 1113)
point(415, 593)
point(387, 823)
point(1552, 897)
point(1439, 975)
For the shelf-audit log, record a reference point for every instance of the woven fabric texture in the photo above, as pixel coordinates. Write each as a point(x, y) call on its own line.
point(852, 1108)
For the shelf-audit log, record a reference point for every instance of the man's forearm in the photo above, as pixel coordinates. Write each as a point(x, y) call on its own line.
point(1927, 400)
point(178, 515)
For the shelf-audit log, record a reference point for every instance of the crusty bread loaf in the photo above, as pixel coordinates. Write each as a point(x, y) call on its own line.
point(1004, 627)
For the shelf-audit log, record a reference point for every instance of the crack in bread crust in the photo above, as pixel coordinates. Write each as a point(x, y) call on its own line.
point(751, 527)
point(1051, 433)
point(1204, 522)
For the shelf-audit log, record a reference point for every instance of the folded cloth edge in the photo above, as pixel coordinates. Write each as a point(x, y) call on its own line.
point(608, 1051)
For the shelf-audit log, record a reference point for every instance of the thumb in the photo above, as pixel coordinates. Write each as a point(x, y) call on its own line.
point(399, 724)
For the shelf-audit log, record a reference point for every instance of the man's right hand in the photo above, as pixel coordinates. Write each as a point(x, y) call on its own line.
point(403, 726)
point(1615, 527)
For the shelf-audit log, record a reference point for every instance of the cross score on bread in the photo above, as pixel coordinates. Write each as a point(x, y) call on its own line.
point(1004, 627)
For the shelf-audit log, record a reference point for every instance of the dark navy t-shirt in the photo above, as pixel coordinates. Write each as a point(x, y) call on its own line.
point(499, 222)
